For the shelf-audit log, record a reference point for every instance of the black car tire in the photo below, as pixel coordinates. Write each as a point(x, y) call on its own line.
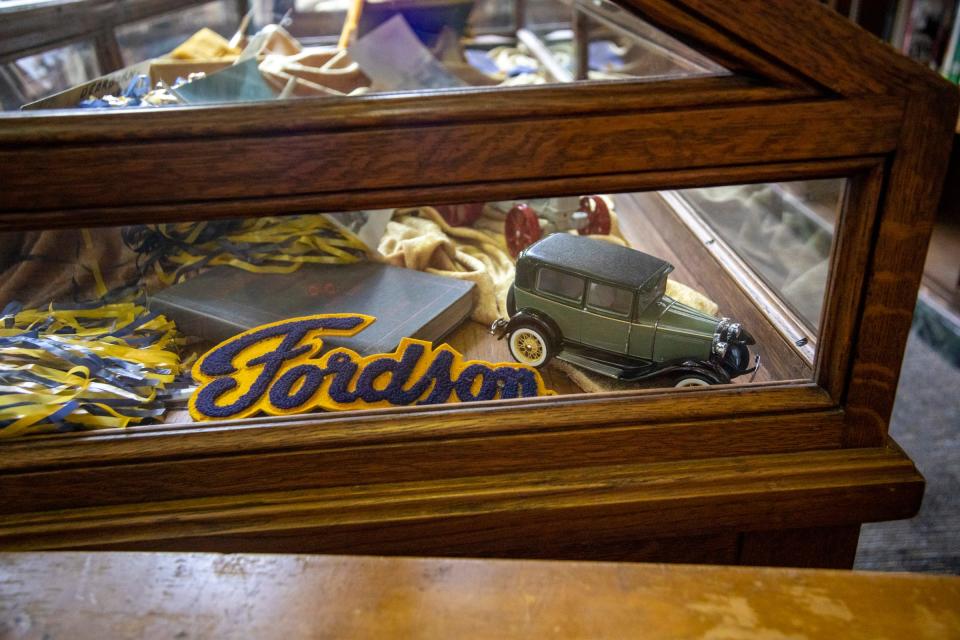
point(530, 344)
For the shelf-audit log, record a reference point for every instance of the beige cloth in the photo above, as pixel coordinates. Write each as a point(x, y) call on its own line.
point(421, 239)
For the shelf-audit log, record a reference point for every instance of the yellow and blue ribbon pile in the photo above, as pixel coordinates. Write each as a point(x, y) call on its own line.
point(94, 366)
point(262, 245)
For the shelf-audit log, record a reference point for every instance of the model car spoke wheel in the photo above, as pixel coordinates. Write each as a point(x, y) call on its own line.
point(521, 228)
point(529, 346)
point(598, 220)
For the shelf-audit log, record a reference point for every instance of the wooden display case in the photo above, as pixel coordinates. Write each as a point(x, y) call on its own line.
point(781, 471)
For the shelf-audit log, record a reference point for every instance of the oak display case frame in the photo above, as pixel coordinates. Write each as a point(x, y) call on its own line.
point(778, 473)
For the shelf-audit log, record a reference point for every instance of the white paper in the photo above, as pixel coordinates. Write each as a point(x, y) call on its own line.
point(395, 60)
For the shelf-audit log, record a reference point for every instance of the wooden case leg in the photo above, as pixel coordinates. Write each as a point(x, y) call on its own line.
point(815, 548)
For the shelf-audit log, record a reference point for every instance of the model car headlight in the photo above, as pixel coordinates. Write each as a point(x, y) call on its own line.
point(720, 348)
point(733, 332)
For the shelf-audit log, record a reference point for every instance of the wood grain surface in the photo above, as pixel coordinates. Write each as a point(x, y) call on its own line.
point(846, 283)
point(546, 513)
point(194, 167)
point(195, 595)
point(896, 265)
point(570, 475)
point(494, 190)
point(812, 40)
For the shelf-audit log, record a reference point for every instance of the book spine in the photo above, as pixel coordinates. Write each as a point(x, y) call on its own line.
point(906, 40)
point(950, 68)
point(900, 22)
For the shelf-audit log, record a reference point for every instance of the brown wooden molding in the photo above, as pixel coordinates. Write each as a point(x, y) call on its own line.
point(383, 157)
point(508, 512)
point(280, 117)
point(896, 266)
point(497, 478)
point(355, 462)
point(559, 414)
point(809, 39)
point(350, 199)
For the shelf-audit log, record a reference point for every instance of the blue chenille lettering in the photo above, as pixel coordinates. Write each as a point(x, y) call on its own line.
point(467, 378)
point(280, 391)
point(508, 381)
point(439, 375)
point(399, 372)
point(293, 378)
point(220, 362)
point(516, 383)
point(344, 368)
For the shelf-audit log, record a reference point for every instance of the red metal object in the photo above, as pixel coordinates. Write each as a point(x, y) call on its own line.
point(599, 216)
point(522, 228)
point(461, 215)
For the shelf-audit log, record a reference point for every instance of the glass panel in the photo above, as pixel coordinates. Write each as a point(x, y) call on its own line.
point(782, 231)
point(560, 284)
point(157, 36)
point(610, 299)
point(100, 327)
point(323, 48)
point(618, 43)
point(32, 77)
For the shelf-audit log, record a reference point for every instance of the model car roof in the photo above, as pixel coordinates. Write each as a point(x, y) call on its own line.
point(598, 259)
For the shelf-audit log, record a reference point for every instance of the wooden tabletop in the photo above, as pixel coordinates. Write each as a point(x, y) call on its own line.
point(169, 595)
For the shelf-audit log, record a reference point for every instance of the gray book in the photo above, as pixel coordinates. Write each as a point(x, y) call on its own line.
point(225, 301)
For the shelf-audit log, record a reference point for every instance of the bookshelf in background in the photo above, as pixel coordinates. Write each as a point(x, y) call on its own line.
point(926, 30)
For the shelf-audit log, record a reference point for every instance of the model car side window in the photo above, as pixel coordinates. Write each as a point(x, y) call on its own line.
point(558, 283)
point(609, 299)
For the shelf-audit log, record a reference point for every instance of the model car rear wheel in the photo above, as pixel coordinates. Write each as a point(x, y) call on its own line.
point(530, 345)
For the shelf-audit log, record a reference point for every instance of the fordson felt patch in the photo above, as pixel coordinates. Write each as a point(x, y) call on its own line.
point(276, 369)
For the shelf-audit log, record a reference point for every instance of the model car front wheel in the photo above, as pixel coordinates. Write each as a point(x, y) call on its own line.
point(691, 380)
point(529, 345)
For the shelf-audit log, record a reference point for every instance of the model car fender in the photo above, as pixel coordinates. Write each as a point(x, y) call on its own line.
point(708, 370)
point(502, 327)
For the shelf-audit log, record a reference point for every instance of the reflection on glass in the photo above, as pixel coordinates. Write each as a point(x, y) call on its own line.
point(32, 77)
point(159, 35)
point(783, 231)
point(329, 48)
point(600, 292)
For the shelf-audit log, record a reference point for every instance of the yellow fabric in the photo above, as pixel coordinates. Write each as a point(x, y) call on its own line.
point(421, 239)
point(205, 44)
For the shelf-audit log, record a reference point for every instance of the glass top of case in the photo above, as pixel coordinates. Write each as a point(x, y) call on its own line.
point(211, 54)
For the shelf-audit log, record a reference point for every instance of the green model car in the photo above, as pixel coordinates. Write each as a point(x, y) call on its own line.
point(602, 306)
